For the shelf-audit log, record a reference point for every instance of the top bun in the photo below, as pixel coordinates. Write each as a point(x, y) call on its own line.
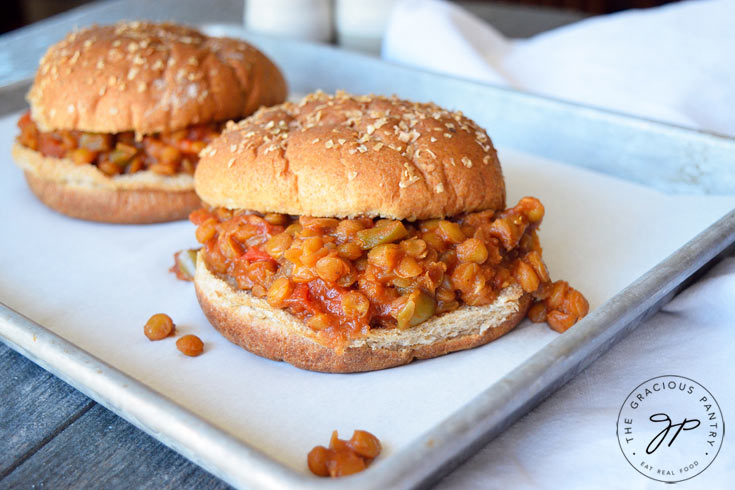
point(147, 78)
point(346, 156)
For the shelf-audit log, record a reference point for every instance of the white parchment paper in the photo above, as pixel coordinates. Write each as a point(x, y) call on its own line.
point(96, 285)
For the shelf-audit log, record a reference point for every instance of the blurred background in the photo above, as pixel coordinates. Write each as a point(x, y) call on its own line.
point(17, 13)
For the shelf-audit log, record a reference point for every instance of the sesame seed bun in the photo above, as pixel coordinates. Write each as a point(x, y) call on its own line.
point(346, 156)
point(148, 78)
point(276, 334)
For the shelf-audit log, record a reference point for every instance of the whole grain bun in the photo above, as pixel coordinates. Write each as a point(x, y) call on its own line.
point(345, 156)
point(82, 191)
point(147, 77)
point(276, 334)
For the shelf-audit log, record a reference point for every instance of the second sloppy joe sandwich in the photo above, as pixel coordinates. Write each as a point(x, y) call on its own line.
point(118, 115)
point(353, 233)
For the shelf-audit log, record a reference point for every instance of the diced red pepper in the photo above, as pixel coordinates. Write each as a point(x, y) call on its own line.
point(254, 254)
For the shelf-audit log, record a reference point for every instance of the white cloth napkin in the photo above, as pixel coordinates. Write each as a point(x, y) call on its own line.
point(675, 64)
point(569, 440)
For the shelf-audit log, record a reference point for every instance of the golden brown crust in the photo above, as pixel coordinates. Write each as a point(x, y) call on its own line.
point(353, 155)
point(146, 77)
point(113, 206)
point(275, 334)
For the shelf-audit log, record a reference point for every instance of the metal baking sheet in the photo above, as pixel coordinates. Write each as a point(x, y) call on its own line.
point(669, 158)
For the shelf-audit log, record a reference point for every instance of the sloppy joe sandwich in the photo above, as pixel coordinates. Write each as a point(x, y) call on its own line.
point(118, 115)
point(352, 233)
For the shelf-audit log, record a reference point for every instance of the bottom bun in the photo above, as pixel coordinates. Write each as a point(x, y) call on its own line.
point(276, 334)
point(114, 206)
point(84, 192)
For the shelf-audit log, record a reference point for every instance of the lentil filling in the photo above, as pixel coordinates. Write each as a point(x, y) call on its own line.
point(122, 153)
point(343, 277)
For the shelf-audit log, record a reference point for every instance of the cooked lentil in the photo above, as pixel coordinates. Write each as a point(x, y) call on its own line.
point(122, 153)
point(343, 457)
point(343, 277)
point(190, 345)
point(159, 326)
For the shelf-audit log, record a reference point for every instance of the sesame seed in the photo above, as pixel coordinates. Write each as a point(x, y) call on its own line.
point(439, 188)
point(447, 135)
point(230, 162)
point(233, 148)
point(466, 162)
point(329, 144)
point(351, 175)
point(70, 108)
point(315, 141)
point(341, 141)
point(486, 159)
point(432, 139)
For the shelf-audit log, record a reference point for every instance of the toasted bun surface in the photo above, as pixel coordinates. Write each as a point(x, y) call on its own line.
point(82, 191)
point(344, 156)
point(276, 334)
point(147, 77)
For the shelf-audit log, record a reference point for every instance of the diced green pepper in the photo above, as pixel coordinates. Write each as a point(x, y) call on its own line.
point(379, 235)
point(96, 141)
point(122, 154)
point(419, 308)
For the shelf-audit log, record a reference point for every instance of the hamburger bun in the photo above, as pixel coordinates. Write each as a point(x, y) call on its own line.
point(145, 78)
point(349, 156)
point(343, 157)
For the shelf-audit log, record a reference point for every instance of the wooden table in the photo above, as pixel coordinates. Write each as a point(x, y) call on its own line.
point(52, 436)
